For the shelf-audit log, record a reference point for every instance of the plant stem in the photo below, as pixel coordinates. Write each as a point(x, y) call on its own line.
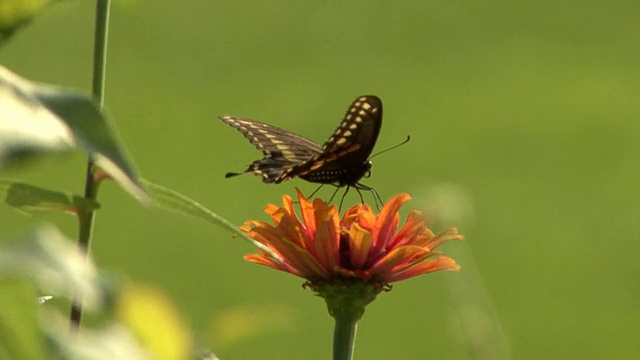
point(86, 218)
point(344, 336)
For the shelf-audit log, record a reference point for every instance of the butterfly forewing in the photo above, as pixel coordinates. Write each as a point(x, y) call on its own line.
point(344, 157)
point(281, 149)
point(361, 126)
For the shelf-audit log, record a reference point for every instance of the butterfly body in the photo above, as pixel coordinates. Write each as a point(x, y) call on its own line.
point(343, 160)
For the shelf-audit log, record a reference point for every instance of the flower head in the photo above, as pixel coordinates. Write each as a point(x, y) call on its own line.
point(361, 247)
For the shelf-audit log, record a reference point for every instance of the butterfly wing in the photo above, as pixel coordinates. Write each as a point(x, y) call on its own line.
point(344, 156)
point(281, 149)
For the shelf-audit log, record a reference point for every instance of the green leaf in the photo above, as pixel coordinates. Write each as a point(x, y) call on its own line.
point(171, 200)
point(39, 118)
point(20, 336)
point(26, 197)
point(54, 264)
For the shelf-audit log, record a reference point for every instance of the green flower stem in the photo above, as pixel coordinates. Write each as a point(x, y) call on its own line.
point(346, 302)
point(344, 336)
point(86, 219)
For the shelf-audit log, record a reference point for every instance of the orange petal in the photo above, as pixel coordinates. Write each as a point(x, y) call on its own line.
point(326, 240)
point(294, 231)
point(257, 259)
point(414, 226)
point(306, 210)
point(270, 209)
point(444, 236)
point(387, 221)
point(276, 216)
point(360, 241)
point(288, 204)
point(400, 257)
point(429, 266)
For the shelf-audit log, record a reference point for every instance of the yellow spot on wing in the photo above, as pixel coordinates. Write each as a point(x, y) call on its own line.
point(341, 141)
point(366, 106)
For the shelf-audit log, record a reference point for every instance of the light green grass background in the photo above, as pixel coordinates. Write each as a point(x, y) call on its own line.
point(525, 126)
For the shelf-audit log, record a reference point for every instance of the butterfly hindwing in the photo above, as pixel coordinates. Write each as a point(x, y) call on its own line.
point(281, 149)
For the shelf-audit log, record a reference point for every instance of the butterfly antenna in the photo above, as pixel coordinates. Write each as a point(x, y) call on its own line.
point(391, 148)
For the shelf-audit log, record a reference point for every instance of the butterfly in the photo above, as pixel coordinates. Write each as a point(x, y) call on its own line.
point(343, 160)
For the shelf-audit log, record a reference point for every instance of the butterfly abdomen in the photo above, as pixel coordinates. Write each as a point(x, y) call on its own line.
point(340, 177)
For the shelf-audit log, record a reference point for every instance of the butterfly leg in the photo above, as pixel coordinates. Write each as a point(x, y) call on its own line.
point(343, 196)
point(361, 198)
point(334, 195)
point(315, 191)
point(376, 197)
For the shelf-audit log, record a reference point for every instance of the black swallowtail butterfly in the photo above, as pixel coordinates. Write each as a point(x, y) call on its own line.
point(342, 161)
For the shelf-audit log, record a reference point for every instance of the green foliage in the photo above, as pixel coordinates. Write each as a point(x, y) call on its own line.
point(26, 197)
point(171, 200)
point(37, 118)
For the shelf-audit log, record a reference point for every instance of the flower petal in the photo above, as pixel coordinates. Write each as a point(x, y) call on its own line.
point(444, 236)
point(326, 241)
point(387, 221)
point(306, 209)
point(360, 241)
point(288, 204)
point(399, 258)
point(268, 262)
point(362, 246)
point(412, 228)
point(429, 266)
point(291, 251)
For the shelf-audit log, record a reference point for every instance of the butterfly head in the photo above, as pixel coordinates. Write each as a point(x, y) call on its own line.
point(367, 172)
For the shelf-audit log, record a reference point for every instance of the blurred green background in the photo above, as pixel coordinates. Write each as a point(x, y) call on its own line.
point(524, 118)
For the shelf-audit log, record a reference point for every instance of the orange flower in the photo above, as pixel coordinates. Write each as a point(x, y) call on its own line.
point(363, 247)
